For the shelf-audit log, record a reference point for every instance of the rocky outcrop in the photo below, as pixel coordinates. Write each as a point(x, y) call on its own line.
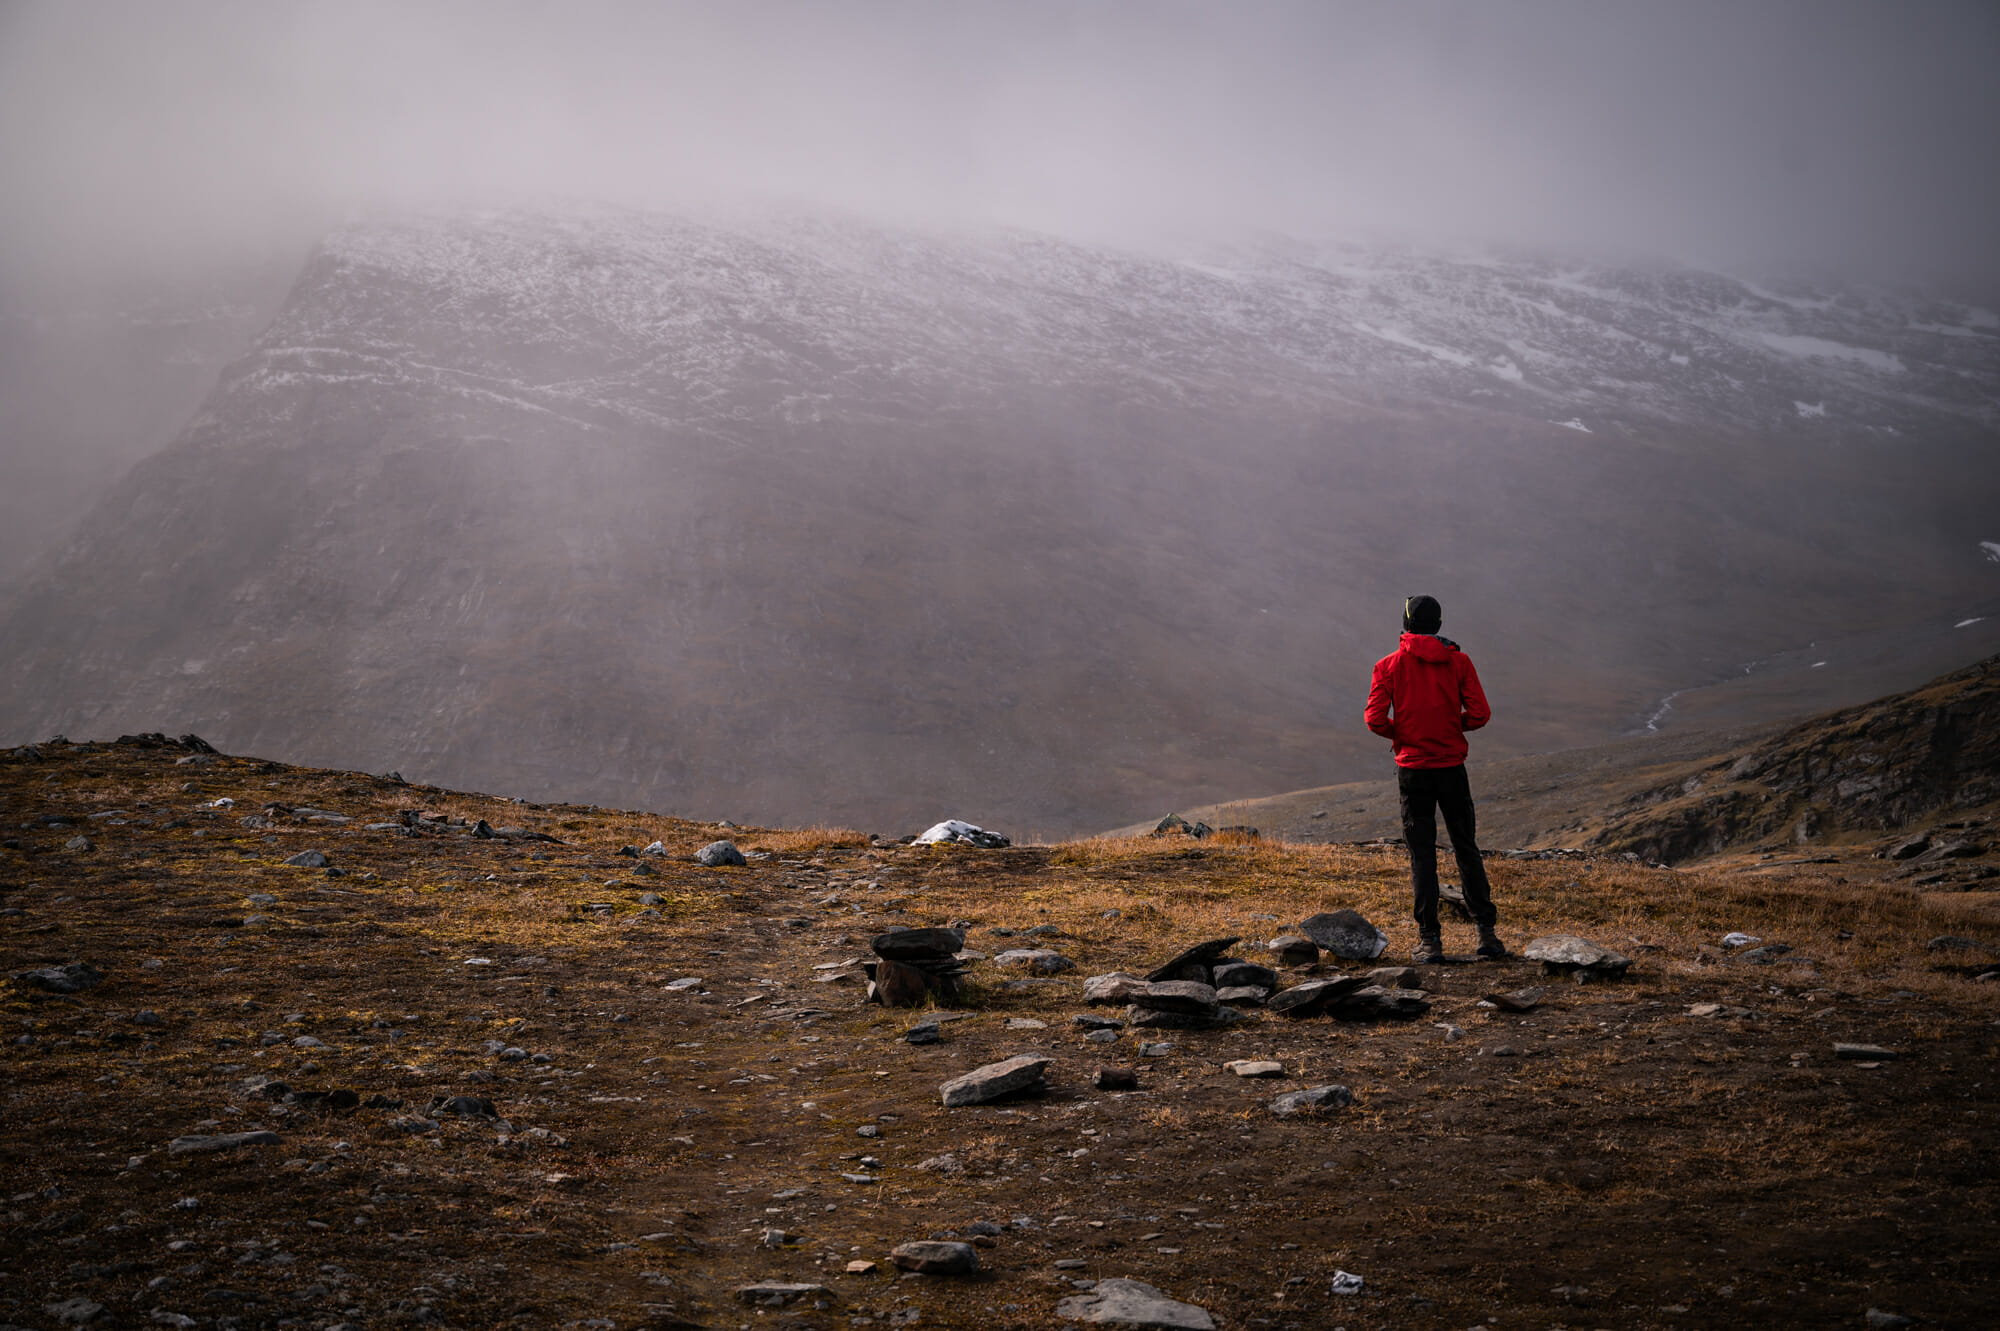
point(1873, 768)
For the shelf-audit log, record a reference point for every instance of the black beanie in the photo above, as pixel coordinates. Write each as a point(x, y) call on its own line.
point(1422, 614)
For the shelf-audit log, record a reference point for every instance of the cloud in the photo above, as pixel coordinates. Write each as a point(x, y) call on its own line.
point(1829, 133)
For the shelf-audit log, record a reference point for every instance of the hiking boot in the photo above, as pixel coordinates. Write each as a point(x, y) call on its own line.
point(1429, 951)
point(1490, 946)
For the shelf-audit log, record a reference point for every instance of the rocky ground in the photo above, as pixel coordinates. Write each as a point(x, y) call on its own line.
point(523, 1082)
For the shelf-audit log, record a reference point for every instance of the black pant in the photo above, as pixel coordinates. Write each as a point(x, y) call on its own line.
point(1425, 792)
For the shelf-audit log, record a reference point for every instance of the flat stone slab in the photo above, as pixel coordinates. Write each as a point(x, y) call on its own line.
point(1201, 954)
point(1131, 1303)
point(1568, 952)
point(1397, 977)
point(913, 944)
point(1256, 1067)
point(1314, 1100)
point(1520, 1000)
point(936, 1258)
point(1242, 995)
point(993, 1081)
point(1177, 996)
point(1117, 987)
point(1038, 960)
point(1153, 1019)
point(775, 1294)
point(1871, 1052)
point(226, 1141)
point(1304, 1000)
point(1237, 973)
point(1346, 934)
point(309, 859)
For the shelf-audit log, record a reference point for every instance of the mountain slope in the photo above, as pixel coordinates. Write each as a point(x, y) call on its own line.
point(790, 520)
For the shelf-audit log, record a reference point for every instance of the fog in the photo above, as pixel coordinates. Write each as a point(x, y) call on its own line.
point(1811, 135)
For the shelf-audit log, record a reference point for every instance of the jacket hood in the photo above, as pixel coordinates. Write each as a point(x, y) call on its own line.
point(1429, 647)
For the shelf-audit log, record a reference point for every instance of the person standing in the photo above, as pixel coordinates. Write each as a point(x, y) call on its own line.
point(1423, 697)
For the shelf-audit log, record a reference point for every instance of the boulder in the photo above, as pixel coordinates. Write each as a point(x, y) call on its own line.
point(309, 859)
point(1346, 935)
point(716, 854)
point(1019, 1073)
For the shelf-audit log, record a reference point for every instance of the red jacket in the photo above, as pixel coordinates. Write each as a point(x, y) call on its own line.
point(1425, 695)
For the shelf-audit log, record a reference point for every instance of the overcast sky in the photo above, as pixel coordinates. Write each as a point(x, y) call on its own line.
point(1816, 134)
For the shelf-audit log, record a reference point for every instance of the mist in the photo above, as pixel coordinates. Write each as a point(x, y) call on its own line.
point(1852, 138)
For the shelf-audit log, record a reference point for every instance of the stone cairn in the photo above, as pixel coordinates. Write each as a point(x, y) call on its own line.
point(1204, 988)
point(913, 965)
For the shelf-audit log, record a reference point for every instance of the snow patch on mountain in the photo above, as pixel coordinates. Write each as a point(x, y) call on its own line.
point(1793, 344)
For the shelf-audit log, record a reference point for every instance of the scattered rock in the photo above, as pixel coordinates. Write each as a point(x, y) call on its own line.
point(1117, 987)
point(924, 1032)
point(1131, 1303)
point(932, 1257)
point(942, 1164)
point(1346, 935)
point(1314, 1100)
point(1345, 1282)
point(1256, 1067)
point(1233, 974)
point(74, 1312)
point(917, 944)
point(1115, 1079)
point(1884, 1321)
point(861, 1266)
point(683, 984)
point(1026, 1024)
point(1566, 954)
point(1953, 943)
point(1020, 1073)
point(1037, 960)
point(80, 843)
point(465, 1106)
point(716, 854)
point(309, 859)
point(1193, 963)
point(1293, 950)
point(1397, 977)
point(228, 1141)
point(1311, 997)
point(1246, 995)
point(1911, 848)
point(1871, 1052)
point(776, 1294)
point(1215, 1019)
point(956, 831)
point(1177, 996)
point(1090, 1021)
point(1520, 1000)
point(74, 978)
point(1175, 825)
